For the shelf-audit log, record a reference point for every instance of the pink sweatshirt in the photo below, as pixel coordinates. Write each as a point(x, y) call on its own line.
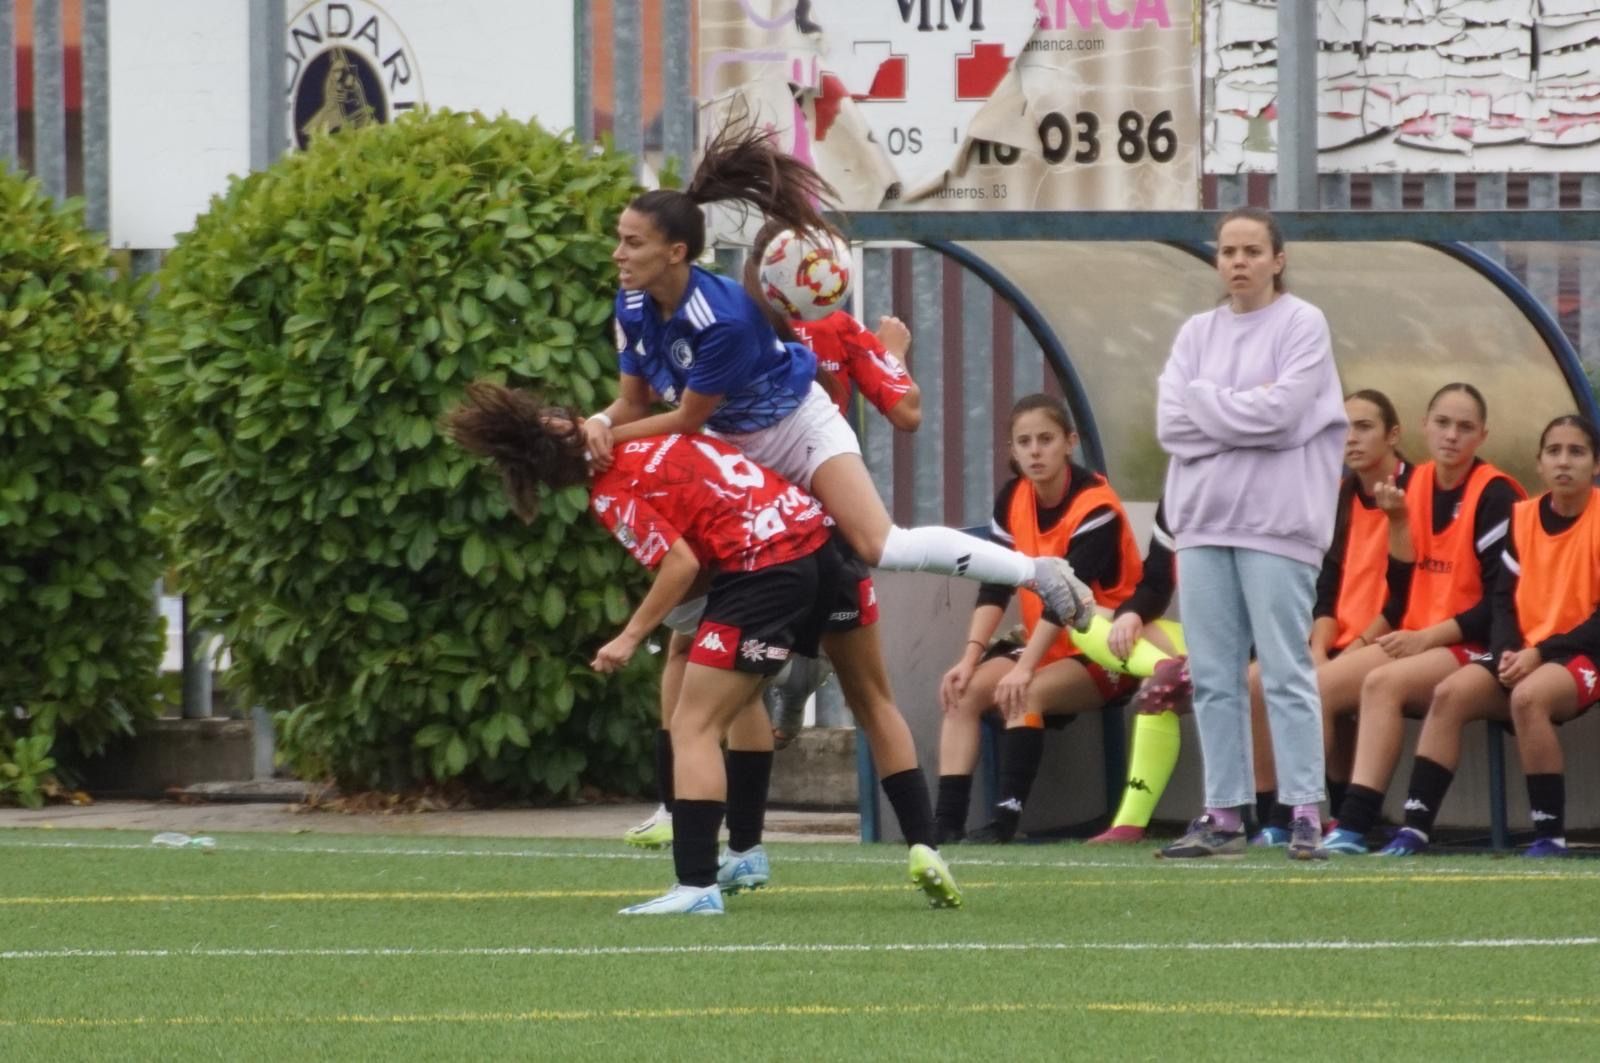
point(1250, 409)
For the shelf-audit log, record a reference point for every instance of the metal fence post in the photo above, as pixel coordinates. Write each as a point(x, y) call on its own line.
point(583, 70)
point(677, 90)
point(8, 85)
point(269, 119)
point(1297, 106)
point(49, 99)
point(96, 117)
point(627, 79)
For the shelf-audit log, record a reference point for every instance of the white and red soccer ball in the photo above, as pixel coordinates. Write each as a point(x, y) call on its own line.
point(806, 278)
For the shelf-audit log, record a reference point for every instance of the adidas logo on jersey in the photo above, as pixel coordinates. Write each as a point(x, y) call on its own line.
point(713, 642)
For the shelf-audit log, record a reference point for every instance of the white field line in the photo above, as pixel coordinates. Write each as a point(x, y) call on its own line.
point(592, 952)
point(1389, 868)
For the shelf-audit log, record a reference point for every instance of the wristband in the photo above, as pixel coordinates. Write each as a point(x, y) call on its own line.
point(602, 416)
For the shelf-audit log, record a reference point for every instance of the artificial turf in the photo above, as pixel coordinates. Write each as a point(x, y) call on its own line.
point(311, 947)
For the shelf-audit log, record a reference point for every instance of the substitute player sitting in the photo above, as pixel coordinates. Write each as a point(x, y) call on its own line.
point(1052, 508)
point(1543, 649)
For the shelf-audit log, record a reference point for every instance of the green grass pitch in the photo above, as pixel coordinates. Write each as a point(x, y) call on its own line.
point(316, 947)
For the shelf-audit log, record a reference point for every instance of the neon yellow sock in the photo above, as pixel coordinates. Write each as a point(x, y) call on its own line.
point(1140, 663)
point(1155, 754)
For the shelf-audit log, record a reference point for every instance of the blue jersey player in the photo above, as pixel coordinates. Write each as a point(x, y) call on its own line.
point(710, 351)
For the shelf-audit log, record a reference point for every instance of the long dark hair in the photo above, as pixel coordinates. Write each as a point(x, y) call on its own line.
point(741, 164)
point(1280, 280)
point(516, 430)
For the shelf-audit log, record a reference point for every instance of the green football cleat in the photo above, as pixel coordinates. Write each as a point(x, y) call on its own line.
point(653, 833)
point(932, 875)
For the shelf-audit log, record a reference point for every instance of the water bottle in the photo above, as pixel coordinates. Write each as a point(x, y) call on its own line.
point(171, 839)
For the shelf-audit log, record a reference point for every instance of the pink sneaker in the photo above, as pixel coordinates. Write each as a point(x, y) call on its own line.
point(1169, 687)
point(1118, 836)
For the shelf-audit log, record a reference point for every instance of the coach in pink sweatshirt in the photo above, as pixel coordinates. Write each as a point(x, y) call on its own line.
point(1250, 411)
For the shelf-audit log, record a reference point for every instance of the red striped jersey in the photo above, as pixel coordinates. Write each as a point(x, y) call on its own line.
point(734, 514)
point(854, 356)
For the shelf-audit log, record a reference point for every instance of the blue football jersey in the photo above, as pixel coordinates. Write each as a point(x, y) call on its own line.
point(717, 342)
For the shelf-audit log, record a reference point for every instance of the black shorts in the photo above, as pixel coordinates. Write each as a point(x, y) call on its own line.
point(755, 620)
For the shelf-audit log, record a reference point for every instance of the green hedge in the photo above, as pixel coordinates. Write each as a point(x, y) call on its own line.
point(80, 643)
point(364, 572)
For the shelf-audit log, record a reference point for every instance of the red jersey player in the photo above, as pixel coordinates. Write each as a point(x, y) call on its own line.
point(781, 585)
point(875, 364)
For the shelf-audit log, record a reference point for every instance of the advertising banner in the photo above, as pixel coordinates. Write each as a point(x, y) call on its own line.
point(1415, 86)
point(967, 104)
point(180, 110)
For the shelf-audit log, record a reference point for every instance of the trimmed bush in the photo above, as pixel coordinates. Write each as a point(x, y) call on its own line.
point(80, 643)
point(365, 573)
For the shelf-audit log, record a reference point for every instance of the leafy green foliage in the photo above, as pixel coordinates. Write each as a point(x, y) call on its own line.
point(365, 573)
point(80, 643)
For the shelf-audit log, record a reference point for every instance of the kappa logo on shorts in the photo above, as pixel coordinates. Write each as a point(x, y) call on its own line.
point(1588, 679)
point(714, 645)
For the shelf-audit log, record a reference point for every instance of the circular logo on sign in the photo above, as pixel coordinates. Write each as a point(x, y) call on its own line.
point(349, 66)
point(683, 354)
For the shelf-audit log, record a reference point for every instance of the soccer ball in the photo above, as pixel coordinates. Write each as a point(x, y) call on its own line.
point(806, 279)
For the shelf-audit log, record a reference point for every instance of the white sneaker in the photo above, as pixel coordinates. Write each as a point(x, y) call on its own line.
point(653, 833)
point(749, 870)
point(1067, 596)
point(681, 900)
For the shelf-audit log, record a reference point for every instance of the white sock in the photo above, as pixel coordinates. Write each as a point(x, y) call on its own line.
point(954, 553)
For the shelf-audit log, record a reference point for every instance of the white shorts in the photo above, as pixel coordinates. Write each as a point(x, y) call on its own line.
point(796, 446)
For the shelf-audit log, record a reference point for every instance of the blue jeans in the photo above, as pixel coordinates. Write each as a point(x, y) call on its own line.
point(1233, 598)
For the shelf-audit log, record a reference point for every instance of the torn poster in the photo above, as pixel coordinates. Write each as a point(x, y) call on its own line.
point(1456, 86)
point(967, 104)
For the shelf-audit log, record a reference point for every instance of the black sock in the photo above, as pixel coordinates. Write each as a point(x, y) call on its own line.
point(694, 841)
point(907, 792)
point(1021, 749)
point(664, 767)
point(1547, 800)
point(1360, 808)
point(749, 776)
point(955, 795)
point(1281, 816)
point(1429, 781)
point(1336, 791)
point(1265, 799)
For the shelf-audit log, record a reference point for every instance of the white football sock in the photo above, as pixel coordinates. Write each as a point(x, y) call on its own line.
point(954, 553)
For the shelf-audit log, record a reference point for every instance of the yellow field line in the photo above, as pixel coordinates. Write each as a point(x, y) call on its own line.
point(364, 896)
point(1202, 1009)
point(1335, 1011)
